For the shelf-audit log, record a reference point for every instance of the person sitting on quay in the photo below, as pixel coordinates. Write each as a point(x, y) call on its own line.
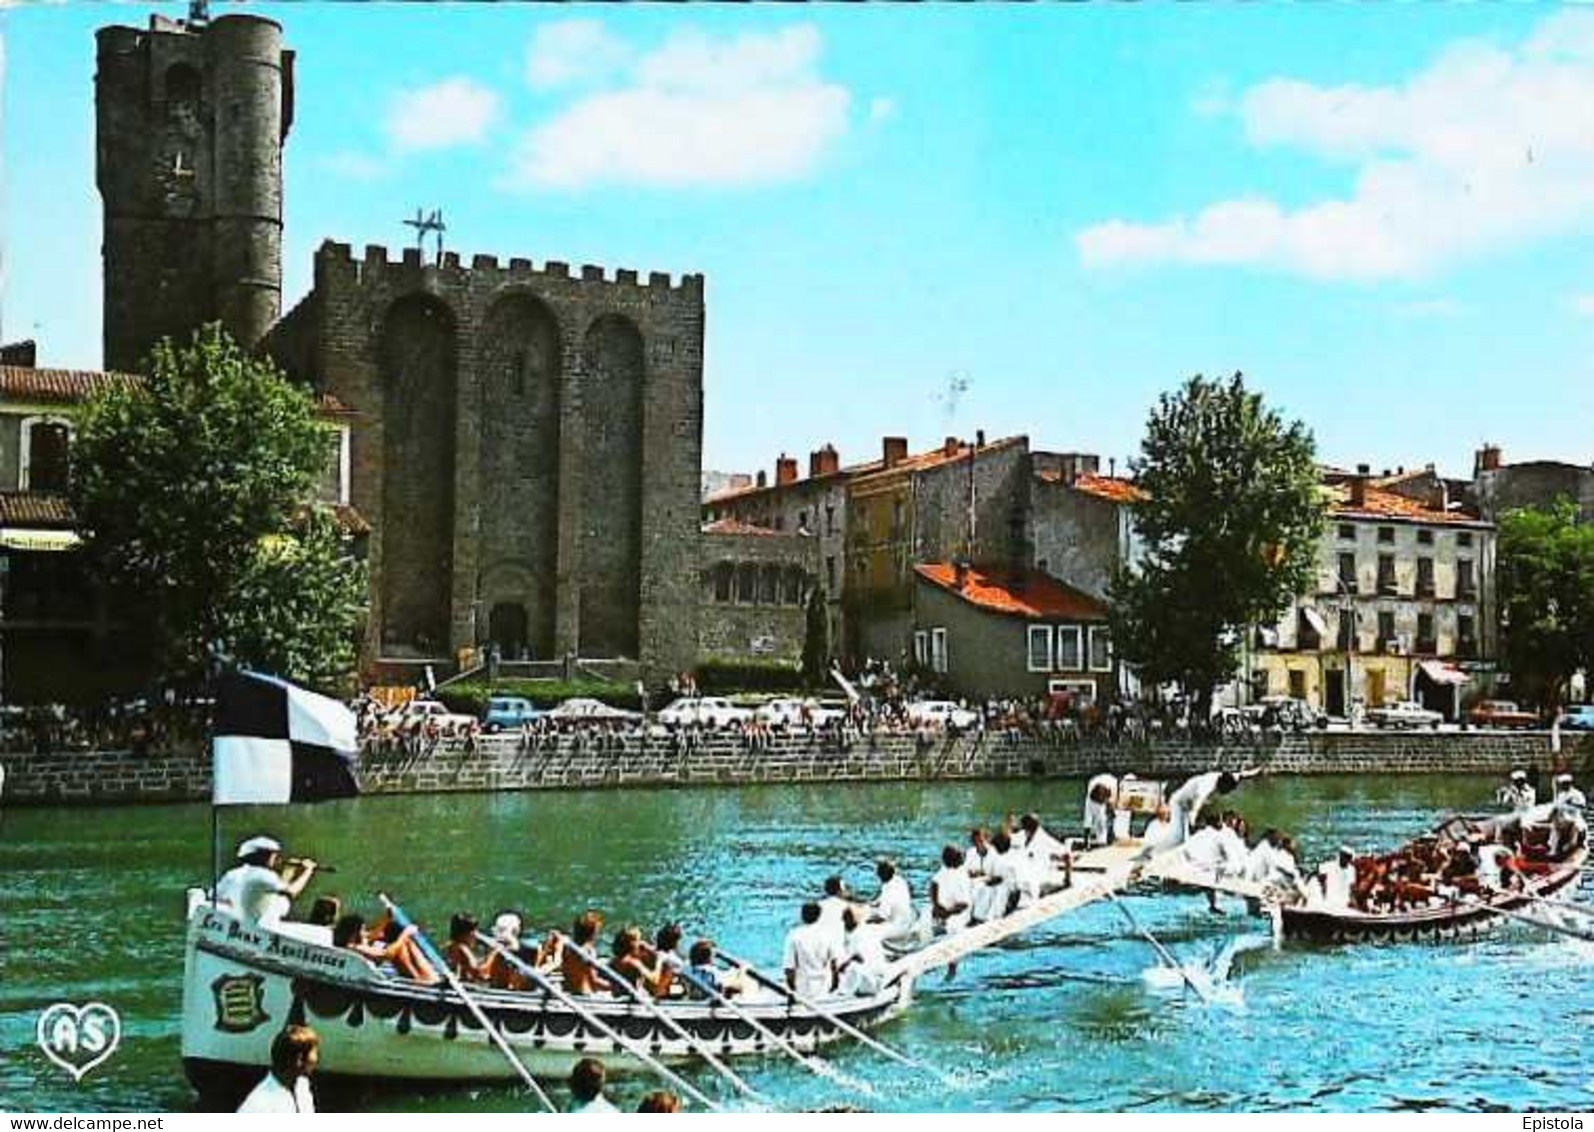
point(260, 888)
point(295, 1056)
point(579, 976)
point(587, 1080)
point(387, 943)
point(810, 955)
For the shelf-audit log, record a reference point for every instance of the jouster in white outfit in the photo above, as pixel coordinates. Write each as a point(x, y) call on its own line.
point(1338, 880)
point(272, 1096)
point(1212, 850)
point(810, 951)
point(866, 973)
point(951, 887)
point(1098, 822)
point(895, 906)
point(1186, 803)
point(830, 910)
point(253, 892)
point(1158, 834)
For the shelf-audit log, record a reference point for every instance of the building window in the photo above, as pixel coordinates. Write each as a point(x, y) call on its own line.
point(769, 585)
point(1347, 630)
point(1386, 630)
point(830, 518)
point(1347, 532)
point(1386, 534)
point(1425, 577)
point(1297, 684)
point(1466, 584)
point(1347, 572)
point(1100, 648)
point(46, 442)
point(802, 521)
point(921, 648)
point(1463, 538)
point(1466, 635)
point(1424, 537)
point(724, 580)
point(1070, 649)
point(1386, 574)
point(830, 573)
point(747, 584)
point(938, 650)
point(1040, 648)
point(1306, 634)
point(1425, 635)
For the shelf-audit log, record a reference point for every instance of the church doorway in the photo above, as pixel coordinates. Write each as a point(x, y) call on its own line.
point(506, 628)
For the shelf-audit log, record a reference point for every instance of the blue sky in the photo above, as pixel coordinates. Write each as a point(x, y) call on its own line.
point(1383, 214)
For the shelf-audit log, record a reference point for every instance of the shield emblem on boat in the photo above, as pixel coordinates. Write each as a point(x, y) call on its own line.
point(240, 1003)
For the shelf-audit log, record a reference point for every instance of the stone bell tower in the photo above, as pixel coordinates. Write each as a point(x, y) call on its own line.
point(191, 119)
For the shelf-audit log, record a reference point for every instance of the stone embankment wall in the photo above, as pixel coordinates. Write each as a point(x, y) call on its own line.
point(499, 763)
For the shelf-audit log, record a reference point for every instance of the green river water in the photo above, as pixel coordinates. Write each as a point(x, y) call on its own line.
point(91, 909)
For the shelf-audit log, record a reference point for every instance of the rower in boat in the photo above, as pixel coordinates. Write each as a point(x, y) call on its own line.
point(579, 975)
point(261, 886)
point(391, 944)
point(837, 899)
point(1336, 879)
point(811, 955)
point(893, 908)
point(951, 893)
point(979, 853)
point(862, 967)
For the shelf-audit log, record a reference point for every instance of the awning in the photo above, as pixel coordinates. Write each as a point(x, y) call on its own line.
point(1315, 620)
point(28, 538)
point(1441, 673)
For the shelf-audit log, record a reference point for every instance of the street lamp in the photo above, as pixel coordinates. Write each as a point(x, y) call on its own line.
point(1347, 609)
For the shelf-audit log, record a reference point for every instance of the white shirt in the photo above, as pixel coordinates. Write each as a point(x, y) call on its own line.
point(895, 904)
point(1519, 796)
point(1187, 801)
point(1259, 867)
point(1338, 881)
point(1491, 864)
point(865, 974)
point(830, 910)
point(978, 861)
point(249, 890)
point(1207, 849)
point(1157, 833)
point(952, 887)
point(1044, 849)
point(1571, 798)
point(1096, 812)
point(810, 951)
point(272, 1096)
point(1236, 854)
point(598, 1104)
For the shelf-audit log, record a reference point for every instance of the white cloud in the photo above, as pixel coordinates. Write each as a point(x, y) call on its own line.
point(455, 111)
point(698, 110)
point(1486, 148)
point(570, 51)
point(1583, 304)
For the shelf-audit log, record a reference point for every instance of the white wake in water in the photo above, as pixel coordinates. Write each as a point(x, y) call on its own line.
point(1209, 979)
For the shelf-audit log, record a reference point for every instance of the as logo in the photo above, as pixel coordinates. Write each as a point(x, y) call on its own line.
point(240, 1003)
point(77, 1038)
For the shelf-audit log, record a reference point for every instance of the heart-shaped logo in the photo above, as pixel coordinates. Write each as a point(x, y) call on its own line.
point(78, 1038)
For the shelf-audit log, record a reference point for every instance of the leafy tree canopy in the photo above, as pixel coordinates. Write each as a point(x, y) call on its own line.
point(1545, 580)
point(193, 486)
point(1229, 526)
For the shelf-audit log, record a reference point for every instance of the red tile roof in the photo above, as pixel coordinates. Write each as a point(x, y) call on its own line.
point(56, 385)
point(1380, 504)
point(34, 509)
point(1114, 488)
point(737, 527)
point(1025, 593)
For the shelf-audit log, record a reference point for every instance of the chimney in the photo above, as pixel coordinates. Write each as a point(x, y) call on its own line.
point(785, 469)
point(763, 480)
point(24, 354)
point(1358, 489)
point(951, 446)
point(1488, 459)
point(1112, 467)
point(1364, 469)
point(824, 462)
point(979, 438)
point(894, 450)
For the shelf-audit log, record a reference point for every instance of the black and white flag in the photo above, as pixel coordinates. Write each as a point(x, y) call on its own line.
point(276, 743)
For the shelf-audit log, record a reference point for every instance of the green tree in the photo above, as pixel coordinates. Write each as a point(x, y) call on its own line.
point(1545, 581)
point(193, 486)
point(1229, 524)
point(816, 641)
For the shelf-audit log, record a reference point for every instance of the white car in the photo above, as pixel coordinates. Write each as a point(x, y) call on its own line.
point(431, 709)
point(941, 713)
point(786, 710)
point(1404, 713)
point(710, 711)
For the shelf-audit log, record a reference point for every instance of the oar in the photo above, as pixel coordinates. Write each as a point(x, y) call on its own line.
point(1162, 952)
point(812, 1064)
point(1563, 905)
point(458, 988)
point(841, 1024)
point(670, 1024)
point(544, 983)
point(1512, 914)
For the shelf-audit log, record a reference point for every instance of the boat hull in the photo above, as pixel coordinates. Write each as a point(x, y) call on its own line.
point(1455, 921)
point(242, 984)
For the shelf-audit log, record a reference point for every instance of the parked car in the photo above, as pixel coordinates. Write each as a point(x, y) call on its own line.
point(788, 710)
point(943, 713)
point(1578, 717)
point(1404, 713)
point(709, 711)
point(508, 711)
point(433, 710)
point(1500, 713)
point(1285, 713)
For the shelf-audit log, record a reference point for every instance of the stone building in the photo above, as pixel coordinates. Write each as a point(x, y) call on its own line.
point(960, 502)
point(527, 447)
point(191, 120)
point(815, 504)
point(1403, 607)
point(1498, 487)
point(525, 442)
point(1005, 632)
point(753, 601)
point(1081, 523)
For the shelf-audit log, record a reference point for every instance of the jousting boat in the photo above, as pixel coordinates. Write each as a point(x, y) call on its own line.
point(242, 983)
